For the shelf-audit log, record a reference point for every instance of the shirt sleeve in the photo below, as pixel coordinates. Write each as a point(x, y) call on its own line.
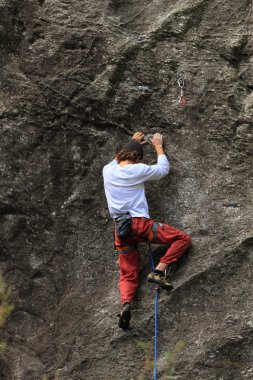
point(111, 164)
point(157, 171)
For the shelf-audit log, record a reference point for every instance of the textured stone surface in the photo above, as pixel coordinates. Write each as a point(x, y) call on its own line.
point(77, 79)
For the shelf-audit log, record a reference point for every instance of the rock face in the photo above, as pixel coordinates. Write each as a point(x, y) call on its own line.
point(77, 79)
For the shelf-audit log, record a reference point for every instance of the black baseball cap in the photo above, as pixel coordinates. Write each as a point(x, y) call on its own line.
point(134, 146)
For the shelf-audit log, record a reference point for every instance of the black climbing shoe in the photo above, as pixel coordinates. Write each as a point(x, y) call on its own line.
point(160, 280)
point(125, 316)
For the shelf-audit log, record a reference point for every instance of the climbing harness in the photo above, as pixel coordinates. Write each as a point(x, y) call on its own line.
point(153, 232)
point(124, 249)
point(182, 98)
point(157, 289)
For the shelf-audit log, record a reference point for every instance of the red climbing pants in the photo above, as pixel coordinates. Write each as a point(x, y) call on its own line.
point(128, 254)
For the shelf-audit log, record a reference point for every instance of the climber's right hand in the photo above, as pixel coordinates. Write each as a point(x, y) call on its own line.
point(157, 140)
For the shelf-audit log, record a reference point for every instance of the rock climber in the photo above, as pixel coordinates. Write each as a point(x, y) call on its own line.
point(124, 180)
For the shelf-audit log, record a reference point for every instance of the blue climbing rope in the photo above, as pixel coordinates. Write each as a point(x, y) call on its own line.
point(156, 330)
point(155, 316)
point(152, 264)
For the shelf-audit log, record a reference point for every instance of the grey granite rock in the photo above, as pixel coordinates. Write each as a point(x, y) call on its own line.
point(77, 79)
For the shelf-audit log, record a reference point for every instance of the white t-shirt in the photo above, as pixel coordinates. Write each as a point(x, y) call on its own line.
point(124, 186)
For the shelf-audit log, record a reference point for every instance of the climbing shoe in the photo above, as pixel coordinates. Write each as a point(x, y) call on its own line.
point(125, 316)
point(160, 280)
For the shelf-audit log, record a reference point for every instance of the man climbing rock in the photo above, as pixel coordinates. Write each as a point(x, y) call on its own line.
point(124, 180)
